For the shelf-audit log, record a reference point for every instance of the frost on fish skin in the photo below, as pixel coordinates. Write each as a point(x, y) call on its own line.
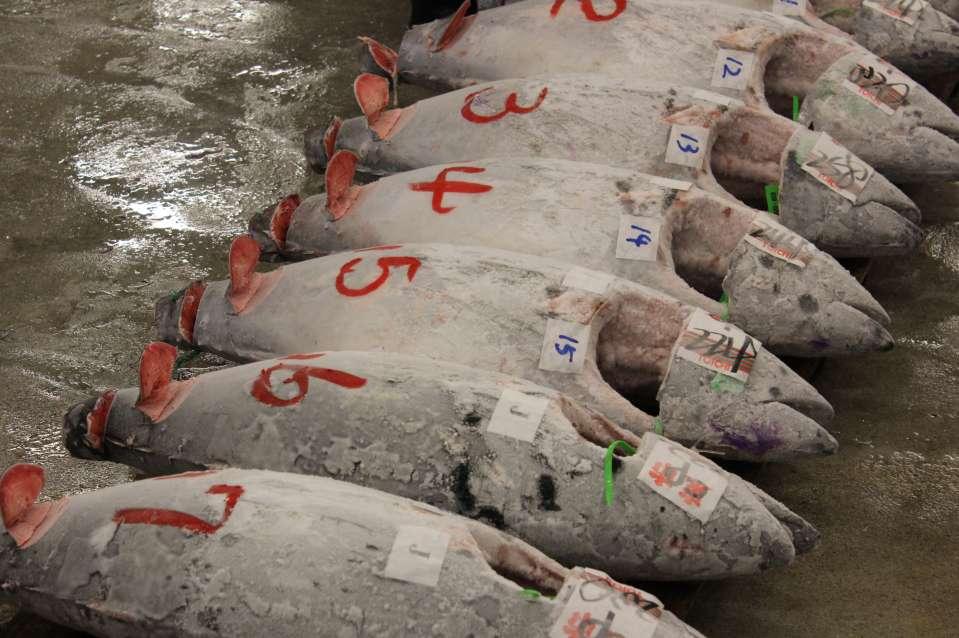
point(291, 556)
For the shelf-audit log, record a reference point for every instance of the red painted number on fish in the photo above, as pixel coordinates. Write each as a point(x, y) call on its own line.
point(182, 520)
point(511, 107)
point(439, 187)
point(412, 264)
point(262, 389)
point(590, 11)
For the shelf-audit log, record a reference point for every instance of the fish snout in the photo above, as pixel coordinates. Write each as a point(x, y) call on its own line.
point(76, 432)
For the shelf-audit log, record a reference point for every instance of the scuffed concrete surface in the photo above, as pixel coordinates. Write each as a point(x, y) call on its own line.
point(136, 137)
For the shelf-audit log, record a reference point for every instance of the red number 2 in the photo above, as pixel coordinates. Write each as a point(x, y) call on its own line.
point(412, 264)
point(590, 11)
point(300, 375)
point(511, 107)
point(186, 522)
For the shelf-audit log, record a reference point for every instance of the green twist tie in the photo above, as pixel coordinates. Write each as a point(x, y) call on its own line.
point(772, 198)
point(722, 383)
point(185, 358)
point(724, 300)
point(608, 467)
point(658, 426)
point(795, 108)
point(177, 294)
point(531, 594)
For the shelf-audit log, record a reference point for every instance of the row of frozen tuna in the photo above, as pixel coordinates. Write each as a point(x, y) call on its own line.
point(524, 342)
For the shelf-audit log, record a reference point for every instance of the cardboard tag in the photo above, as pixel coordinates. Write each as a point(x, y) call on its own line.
point(733, 69)
point(564, 346)
point(687, 145)
point(675, 184)
point(417, 555)
point(879, 84)
point(838, 168)
point(589, 280)
point(789, 7)
point(593, 608)
point(709, 96)
point(638, 237)
point(777, 241)
point(717, 346)
point(517, 415)
point(677, 475)
point(907, 11)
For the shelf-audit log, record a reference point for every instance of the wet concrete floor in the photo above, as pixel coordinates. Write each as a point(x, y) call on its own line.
point(135, 137)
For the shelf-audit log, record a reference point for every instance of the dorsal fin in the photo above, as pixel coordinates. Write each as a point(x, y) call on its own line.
point(340, 192)
point(189, 308)
point(385, 57)
point(453, 28)
point(283, 215)
point(156, 370)
point(329, 137)
point(372, 94)
point(19, 488)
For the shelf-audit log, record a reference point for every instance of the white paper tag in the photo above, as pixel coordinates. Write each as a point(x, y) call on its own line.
point(838, 168)
point(878, 83)
point(638, 237)
point(590, 280)
point(709, 96)
point(517, 415)
point(676, 474)
point(417, 555)
point(719, 346)
point(733, 69)
point(687, 145)
point(564, 346)
point(777, 241)
point(675, 184)
point(907, 11)
point(789, 7)
point(592, 607)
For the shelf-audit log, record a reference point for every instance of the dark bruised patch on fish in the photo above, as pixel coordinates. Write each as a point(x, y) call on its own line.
point(623, 186)
point(554, 291)
point(669, 197)
point(547, 494)
point(808, 304)
point(775, 392)
point(465, 501)
point(472, 419)
point(766, 261)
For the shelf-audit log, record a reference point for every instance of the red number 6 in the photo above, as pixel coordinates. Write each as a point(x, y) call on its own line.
point(412, 264)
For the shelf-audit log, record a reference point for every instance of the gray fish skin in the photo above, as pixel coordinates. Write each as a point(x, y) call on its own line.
point(523, 40)
point(295, 553)
point(572, 211)
point(489, 309)
point(419, 428)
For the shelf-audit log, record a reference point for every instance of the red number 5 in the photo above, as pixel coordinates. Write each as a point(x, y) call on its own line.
point(412, 264)
point(590, 11)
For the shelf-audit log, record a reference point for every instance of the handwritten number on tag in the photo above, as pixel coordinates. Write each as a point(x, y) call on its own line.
point(642, 239)
point(729, 71)
point(691, 146)
point(567, 349)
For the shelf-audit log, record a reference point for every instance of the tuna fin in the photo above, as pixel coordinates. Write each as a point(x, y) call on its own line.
point(189, 307)
point(19, 488)
point(453, 28)
point(159, 393)
point(373, 95)
point(244, 255)
point(386, 59)
point(283, 216)
point(329, 137)
point(340, 192)
point(96, 419)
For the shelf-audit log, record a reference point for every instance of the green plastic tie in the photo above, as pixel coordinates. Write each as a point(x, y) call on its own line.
point(722, 383)
point(531, 594)
point(724, 300)
point(795, 108)
point(772, 198)
point(608, 467)
point(177, 294)
point(185, 358)
point(658, 427)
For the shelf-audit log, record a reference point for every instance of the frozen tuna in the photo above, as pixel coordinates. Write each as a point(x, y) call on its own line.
point(868, 105)
point(594, 337)
point(491, 447)
point(250, 553)
point(649, 230)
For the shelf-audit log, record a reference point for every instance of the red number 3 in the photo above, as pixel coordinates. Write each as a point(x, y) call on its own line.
point(412, 264)
point(590, 11)
point(511, 107)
